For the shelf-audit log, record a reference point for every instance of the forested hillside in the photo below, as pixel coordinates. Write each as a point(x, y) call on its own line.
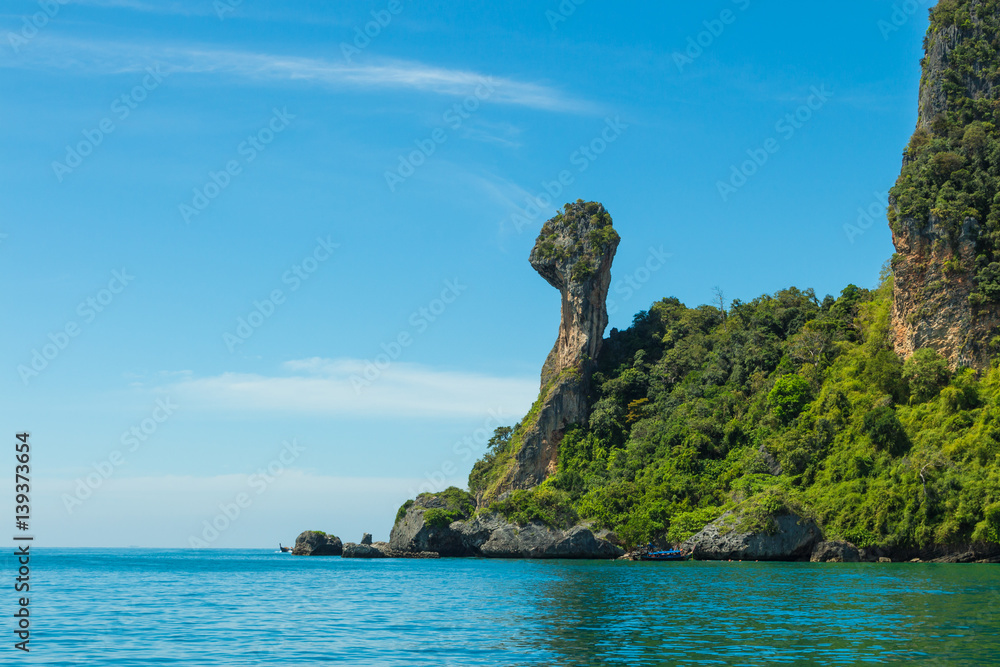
point(791, 402)
point(783, 401)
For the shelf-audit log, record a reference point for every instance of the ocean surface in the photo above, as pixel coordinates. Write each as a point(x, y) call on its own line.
point(220, 608)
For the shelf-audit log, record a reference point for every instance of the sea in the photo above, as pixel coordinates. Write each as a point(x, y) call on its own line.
point(258, 607)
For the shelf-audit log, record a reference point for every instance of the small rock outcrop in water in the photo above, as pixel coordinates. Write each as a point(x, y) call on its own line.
point(789, 537)
point(317, 543)
point(935, 553)
point(353, 550)
point(425, 525)
point(835, 552)
point(573, 253)
point(366, 538)
point(382, 550)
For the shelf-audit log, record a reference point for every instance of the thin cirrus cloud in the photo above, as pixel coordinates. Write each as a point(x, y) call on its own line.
point(221, 10)
point(161, 7)
point(110, 58)
point(353, 387)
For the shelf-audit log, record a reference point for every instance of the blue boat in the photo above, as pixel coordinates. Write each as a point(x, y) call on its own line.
point(673, 554)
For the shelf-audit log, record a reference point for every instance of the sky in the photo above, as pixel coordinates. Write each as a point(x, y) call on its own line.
point(266, 263)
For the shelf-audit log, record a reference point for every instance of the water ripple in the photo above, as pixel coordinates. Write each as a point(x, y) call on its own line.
point(152, 607)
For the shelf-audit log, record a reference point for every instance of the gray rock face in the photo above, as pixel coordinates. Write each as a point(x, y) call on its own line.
point(773, 466)
point(314, 543)
point(574, 252)
point(934, 553)
point(413, 534)
point(366, 538)
point(835, 552)
point(352, 550)
point(382, 550)
point(929, 252)
point(794, 540)
point(564, 403)
point(492, 536)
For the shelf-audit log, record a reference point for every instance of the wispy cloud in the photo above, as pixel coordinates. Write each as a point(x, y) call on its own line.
point(267, 68)
point(501, 134)
point(506, 196)
point(159, 7)
point(330, 387)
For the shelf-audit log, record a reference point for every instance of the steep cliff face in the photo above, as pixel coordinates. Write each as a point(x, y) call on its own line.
point(945, 208)
point(573, 253)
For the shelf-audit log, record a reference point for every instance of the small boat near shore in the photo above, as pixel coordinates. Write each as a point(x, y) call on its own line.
point(672, 554)
point(284, 550)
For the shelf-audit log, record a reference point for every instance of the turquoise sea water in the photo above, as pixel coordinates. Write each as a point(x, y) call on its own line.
point(160, 607)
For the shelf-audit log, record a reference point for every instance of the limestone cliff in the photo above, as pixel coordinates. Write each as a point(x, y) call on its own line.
point(945, 208)
point(573, 253)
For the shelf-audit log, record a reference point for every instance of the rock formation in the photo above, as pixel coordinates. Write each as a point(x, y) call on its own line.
point(424, 524)
point(933, 553)
point(573, 253)
point(492, 536)
point(835, 552)
point(792, 538)
point(489, 534)
point(944, 211)
point(317, 543)
point(382, 550)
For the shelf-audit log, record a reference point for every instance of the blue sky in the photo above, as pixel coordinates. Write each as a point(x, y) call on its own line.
point(185, 165)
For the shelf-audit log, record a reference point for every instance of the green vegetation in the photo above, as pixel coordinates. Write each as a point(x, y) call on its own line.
point(459, 505)
point(952, 168)
point(587, 250)
point(792, 403)
point(544, 503)
point(401, 512)
point(783, 402)
point(490, 471)
point(441, 518)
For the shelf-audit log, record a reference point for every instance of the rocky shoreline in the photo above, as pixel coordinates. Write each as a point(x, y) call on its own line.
point(425, 529)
